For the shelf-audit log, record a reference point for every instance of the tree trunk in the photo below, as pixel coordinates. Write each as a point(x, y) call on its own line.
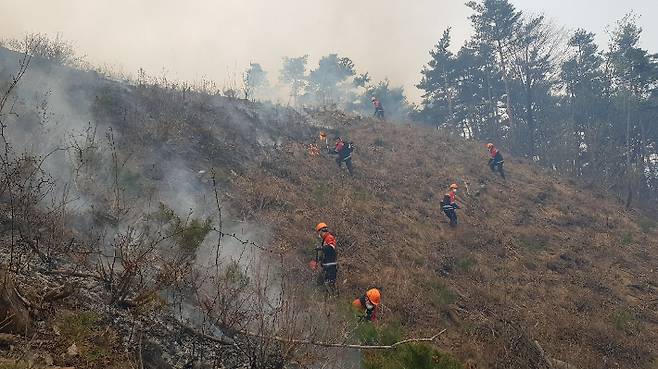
point(629, 176)
point(508, 92)
point(448, 96)
point(492, 122)
point(14, 314)
point(530, 119)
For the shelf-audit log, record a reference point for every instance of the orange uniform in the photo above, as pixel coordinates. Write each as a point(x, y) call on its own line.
point(368, 303)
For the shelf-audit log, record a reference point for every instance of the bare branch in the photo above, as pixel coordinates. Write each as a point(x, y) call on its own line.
point(344, 346)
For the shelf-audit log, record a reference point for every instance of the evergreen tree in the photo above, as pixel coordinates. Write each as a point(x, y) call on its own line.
point(438, 82)
point(495, 23)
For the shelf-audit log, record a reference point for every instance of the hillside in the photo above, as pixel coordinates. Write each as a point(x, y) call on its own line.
point(534, 258)
point(539, 262)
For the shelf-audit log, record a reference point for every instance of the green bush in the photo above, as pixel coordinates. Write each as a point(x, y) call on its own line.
point(191, 234)
point(407, 356)
point(188, 234)
point(413, 355)
point(367, 333)
point(79, 327)
point(234, 277)
point(84, 330)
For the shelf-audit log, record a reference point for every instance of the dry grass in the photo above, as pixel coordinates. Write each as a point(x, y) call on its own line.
point(525, 248)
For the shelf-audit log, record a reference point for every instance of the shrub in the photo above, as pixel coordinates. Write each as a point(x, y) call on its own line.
point(413, 355)
point(41, 45)
point(83, 329)
point(191, 234)
point(188, 234)
point(235, 277)
point(79, 327)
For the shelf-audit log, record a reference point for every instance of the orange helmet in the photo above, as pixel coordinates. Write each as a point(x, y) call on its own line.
point(374, 296)
point(320, 227)
point(454, 186)
point(489, 145)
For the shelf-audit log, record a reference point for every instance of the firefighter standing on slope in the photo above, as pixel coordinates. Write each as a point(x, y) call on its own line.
point(449, 204)
point(379, 109)
point(326, 257)
point(344, 151)
point(367, 304)
point(496, 160)
point(324, 140)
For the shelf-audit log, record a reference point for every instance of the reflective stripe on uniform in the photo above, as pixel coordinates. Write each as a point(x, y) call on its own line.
point(329, 264)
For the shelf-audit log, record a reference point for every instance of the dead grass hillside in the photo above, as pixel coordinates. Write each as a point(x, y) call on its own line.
point(536, 260)
point(539, 268)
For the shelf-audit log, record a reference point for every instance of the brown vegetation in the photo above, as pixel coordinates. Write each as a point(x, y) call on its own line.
point(540, 271)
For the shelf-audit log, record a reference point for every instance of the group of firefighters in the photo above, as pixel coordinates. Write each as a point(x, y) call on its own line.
point(326, 255)
point(326, 258)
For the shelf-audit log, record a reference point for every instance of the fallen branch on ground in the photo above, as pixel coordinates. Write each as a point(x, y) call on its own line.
point(221, 340)
point(71, 273)
point(340, 345)
point(229, 341)
point(552, 362)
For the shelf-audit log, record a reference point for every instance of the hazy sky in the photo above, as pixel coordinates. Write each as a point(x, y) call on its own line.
point(191, 39)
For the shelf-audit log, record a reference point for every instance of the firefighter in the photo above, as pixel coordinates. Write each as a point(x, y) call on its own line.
point(324, 141)
point(344, 151)
point(379, 109)
point(367, 304)
point(496, 160)
point(449, 204)
point(326, 257)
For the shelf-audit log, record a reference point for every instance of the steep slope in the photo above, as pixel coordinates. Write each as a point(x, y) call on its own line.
point(535, 258)
point(538, 263)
